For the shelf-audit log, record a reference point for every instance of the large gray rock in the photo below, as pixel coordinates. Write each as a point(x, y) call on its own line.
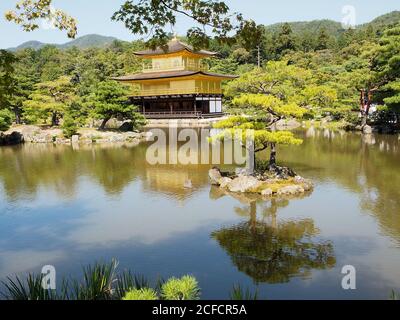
point(244, 184)
point(267, 192)
point(75, 138)
point(126, 126)
point(215, 175)
point(290, 190)
point(306, 184)
point(367, 129)
point(11, 139)
point(224, 182)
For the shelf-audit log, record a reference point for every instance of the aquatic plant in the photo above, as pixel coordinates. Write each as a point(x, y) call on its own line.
point(186, 288)
point(394, 295)
point(238, 293)
point(101, 282)
point(97, 282)
point(141, 294)
point(127, 281)
point(29, 289)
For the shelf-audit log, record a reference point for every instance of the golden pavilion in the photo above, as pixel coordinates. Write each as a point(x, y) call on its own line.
point(176, 83)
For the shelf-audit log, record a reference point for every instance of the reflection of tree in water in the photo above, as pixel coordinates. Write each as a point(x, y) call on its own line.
point(273, 251)
point(365, 164)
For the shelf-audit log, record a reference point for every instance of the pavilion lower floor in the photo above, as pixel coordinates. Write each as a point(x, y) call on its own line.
point(182, 106)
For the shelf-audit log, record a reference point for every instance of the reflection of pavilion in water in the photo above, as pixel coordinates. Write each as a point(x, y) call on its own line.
point(269, 250)
point(170, 179)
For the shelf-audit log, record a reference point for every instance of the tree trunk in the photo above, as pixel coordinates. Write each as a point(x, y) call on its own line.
point(272, 157)
point(54, 119)
point(103, 124)
point(17, 115)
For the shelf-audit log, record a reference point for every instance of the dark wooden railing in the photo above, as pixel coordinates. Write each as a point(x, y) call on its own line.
point(173, 114)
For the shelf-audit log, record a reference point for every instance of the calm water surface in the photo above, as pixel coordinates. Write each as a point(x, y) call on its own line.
point(68, 207)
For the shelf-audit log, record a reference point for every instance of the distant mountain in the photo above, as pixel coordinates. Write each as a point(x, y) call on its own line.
point(379, 23)
point(89, 41)
point(334, 28)
point(30, 44)
point(84, 42)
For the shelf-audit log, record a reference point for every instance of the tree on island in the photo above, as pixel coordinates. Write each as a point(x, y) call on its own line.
point(266, 96)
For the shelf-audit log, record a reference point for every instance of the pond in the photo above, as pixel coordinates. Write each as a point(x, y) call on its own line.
point(70, 207)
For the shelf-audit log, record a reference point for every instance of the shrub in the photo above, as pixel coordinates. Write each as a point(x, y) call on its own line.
point(6, 117)
point(185, 288)
point(141, 294)
point(69, 127)
point(138, 121)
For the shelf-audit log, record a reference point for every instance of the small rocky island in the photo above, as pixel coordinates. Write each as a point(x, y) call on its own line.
point(280, 182)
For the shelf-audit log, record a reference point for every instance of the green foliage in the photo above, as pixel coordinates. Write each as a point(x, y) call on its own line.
point(394, 295)
point(6, 118)
point(101, 282)
point(318, 96)
point(269, 104)
point(239, 294)
point(97, 282)
point(7, 78)
point(69, 127)
point(49, 101)
point(109, 99)
point(314, 64)
point(141, 294)
point(31, 289)
point(157, 18)
point(128, 281)
point(284, 41)
point(185, 288)
point(277, 78)
point(28, 13)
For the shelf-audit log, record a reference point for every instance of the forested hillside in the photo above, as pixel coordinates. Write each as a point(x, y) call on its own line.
point(315, 65)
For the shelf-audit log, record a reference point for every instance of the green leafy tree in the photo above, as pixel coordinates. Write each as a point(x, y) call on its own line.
point(27, 14)
point(7, 87)
point(284, 41)
point(276, 78)
point(323, 40)
point(6, 117)
point(267, 95)
point(157, 18)
point(26, 76)
point(318, 96)
point(50, 100)
point(387, 65)
point(110, 99)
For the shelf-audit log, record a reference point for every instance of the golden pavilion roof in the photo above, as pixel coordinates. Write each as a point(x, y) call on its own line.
point(174, 46)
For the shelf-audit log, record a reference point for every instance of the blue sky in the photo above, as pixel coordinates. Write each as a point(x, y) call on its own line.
point(94, 16)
